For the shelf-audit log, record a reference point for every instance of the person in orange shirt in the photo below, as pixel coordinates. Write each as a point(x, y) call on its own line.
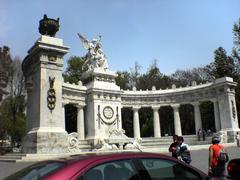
point(216, 167)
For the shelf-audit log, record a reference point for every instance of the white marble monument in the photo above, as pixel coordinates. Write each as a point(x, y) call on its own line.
point(99, 100)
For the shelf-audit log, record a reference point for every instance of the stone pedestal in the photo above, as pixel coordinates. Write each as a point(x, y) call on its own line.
point(42, 69)
point(103, 106)
point(227, 104)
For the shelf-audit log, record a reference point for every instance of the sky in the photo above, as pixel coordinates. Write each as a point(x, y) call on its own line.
point(179, 34)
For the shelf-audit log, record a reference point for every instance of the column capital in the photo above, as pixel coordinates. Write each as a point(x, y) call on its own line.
point(136, 108)
point(64, 103)
point(80, 106)
point(156, 108)
point(214, 100)
point(197, 103)
point(175, 106)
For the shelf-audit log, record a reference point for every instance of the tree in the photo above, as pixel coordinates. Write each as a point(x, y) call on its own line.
point(123, 80)
point(150, 78)
point(236, 57)
point(236, 34)
point(134, 74)
point(186, 77)
point(74, 70)
point(12, 111)
point(223, 64)
point(5, 63)
point(153, 77)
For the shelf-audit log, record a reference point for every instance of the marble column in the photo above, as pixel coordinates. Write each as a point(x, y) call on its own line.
point(216, 115)
point(136, 124)
point(177, 122)
point(156, 121)
point(197, 116)
point(80, 123)
point(63, 116)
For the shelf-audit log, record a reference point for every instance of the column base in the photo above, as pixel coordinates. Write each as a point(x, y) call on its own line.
point(46, 140)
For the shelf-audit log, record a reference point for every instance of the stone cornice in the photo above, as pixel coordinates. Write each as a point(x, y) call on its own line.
point(185, 95)
point(74, 87)
point(73, 94)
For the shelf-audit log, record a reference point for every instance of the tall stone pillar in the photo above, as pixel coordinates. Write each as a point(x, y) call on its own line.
point(80, 123)
point(42, 68)
point(156, 122)
point(177, 122)
point(197, 116)
point(225, 91)
point(136, 124)
point(216, 115)
point(227, 104)
point(63, 115)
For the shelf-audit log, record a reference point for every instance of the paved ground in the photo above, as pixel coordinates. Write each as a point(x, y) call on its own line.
point(199, 160)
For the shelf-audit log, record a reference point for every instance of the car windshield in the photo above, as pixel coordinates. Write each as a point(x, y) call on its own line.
point(36, 171)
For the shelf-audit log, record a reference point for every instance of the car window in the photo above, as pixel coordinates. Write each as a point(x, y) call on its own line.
point(36, 171)
point(160, 169)
point(117, 170)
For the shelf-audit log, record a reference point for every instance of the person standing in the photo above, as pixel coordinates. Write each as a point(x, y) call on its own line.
point(173, 147)
point(237, 137)
point(199, 134)
point(183, 150)
point(203, 134)
point(217, 161)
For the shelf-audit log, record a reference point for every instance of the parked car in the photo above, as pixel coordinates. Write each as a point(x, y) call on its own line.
point(233, 169)
point(117, 166)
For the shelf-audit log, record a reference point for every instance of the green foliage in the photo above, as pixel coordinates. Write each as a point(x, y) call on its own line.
point(223, 64)
point(74, 70)
point(12, 117)
point(12, 109)
point(123, 80)
point(153, 77)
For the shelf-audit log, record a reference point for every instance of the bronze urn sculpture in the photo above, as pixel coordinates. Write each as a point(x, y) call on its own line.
point(48, 26)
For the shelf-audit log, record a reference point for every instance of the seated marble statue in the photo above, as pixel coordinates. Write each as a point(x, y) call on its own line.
point(95, 58)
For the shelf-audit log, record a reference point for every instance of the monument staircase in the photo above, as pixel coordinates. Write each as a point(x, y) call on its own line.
point(83, 145)
point(149, 144)
point(164, 142)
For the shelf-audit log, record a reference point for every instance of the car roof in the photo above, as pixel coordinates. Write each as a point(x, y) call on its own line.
point(77, 163)
point(100, 156)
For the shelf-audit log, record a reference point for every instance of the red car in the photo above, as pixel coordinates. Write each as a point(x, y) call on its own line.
point(233, 169)
point(118, 166)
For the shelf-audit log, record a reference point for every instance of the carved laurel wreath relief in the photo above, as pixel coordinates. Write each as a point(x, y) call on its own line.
point(51, 98)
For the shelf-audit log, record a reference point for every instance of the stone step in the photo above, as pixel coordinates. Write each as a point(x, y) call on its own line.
point(10, 157)
point(186, 138)
point(191, 140)
point(83, 142)
point(85, 146)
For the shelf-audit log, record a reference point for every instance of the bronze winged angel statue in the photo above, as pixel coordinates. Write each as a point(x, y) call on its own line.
point(95, 58)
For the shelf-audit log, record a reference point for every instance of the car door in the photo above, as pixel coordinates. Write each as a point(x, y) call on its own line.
point(112, 170)
point(164, 169)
